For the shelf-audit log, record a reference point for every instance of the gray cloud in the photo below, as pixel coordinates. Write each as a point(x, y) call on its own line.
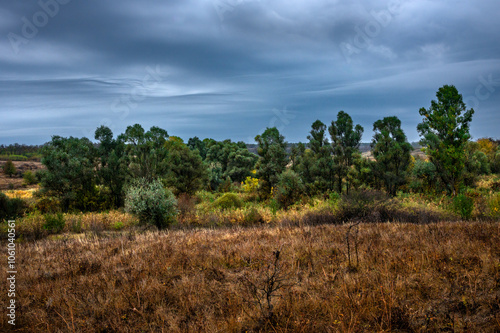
point(226, 66)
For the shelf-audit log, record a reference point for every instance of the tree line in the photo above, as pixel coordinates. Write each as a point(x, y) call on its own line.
point(86, 176)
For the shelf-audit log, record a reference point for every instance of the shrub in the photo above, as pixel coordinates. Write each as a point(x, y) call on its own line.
point(227, 201)
point(54, 223)
point(289, 189)
point(250, 185)
point(334, 197)
point(48, 204)
point(253, 217)
point(151, 202)
point(75, 224)
point(11, 208)
point(360, 205)
point(463, 206)
point(494, 205)
point(29, 178)
point(117, 226)
point(9, 169)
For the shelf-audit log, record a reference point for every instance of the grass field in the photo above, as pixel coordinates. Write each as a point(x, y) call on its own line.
point(402, 277)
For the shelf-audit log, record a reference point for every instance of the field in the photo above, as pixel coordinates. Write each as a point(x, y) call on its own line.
point(16, 182)
point(402, 277)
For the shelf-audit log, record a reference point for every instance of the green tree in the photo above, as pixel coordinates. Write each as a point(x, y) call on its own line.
point(289, 189)
point(323, 167)
point(196, 144)
point(70, 172)
point(112, 170)
point(272, 157)
point(186, 172)
point(9, 169)
point(345, 143)
point(445, 132)
point(234, 159)
point(146, 151)
point(392, 153)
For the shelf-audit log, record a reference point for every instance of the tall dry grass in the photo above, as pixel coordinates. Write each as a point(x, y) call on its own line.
point(407, 277)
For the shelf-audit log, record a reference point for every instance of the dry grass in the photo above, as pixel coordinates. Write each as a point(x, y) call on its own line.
point(423, 278)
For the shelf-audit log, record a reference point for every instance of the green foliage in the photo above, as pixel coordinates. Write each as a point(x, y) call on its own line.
point(70, 172)
point(463, 206)
point(228, 201)
point(252, 216)
point(11, 208)
point(234, 159)
point(112, 170)
point(29, 178)
point(14, 157)
point(334, 197)
point(186, 171)
point(445, 132)
point(54, 223)
point(289, 189)
point(321, 168)
point(118, 225)
point(345, 143)
point(9, 169)
point(151, 202)
point(226, 185)
point(146, 151)
point(424, 177)
point(272, 158)
point(392, 153)
point(494, 205)
point(214, 175)
point(196, 144)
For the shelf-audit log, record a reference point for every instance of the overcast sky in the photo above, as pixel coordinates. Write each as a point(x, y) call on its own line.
point(230, 68)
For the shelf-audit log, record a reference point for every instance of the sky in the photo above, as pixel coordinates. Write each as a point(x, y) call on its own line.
point(227, 69)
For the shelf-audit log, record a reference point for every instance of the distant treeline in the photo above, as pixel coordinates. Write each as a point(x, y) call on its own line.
point(20, 152)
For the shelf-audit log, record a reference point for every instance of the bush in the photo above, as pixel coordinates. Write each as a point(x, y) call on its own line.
point(463, 206)
point(11, 208)
point(289, 189)
point(494, 205)
point(253, 217)
point(54, 223)
point(9, 169)
point(29, 178)
point(151, 202)
point(227, 201)
point(360, 205)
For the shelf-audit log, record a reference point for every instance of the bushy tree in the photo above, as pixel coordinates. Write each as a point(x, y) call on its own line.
point(424, 177)
point(445, 132)
point(9, 168)
point(322, 167)
point(70, 172)
point(289, 189)
point(345, 143)
point(392, 153)
point(272, 157)
point(196, 144)
point(150, 202)
point(186, 171)
point(146, 151)
point(112, 170)
point(234, 158)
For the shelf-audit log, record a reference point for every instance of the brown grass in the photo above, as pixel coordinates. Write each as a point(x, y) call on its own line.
point(422, 278)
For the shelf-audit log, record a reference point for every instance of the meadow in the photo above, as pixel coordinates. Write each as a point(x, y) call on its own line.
point(403, 277)
point(362, 262)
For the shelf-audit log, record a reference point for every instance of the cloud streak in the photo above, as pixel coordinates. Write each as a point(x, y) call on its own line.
point(226, 64)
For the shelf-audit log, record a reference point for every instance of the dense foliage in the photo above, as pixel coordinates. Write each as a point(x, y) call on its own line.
point(81, 175)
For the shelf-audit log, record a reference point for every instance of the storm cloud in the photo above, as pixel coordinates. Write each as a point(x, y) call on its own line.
point(231, 68)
